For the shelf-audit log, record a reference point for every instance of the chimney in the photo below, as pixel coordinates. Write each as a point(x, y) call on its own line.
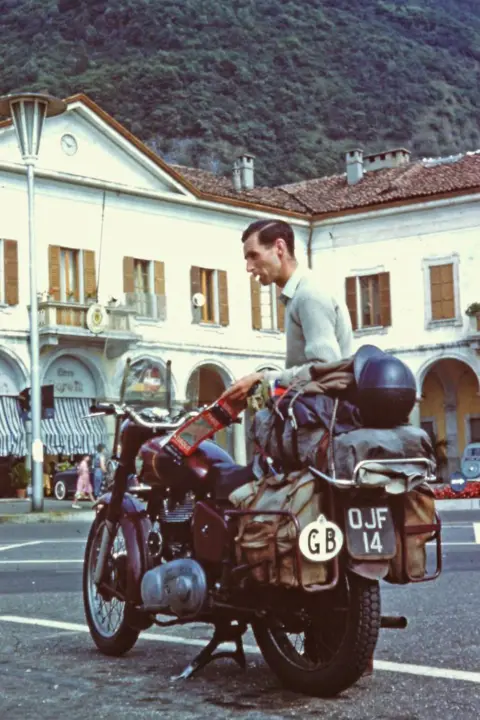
point(354, 166)
point(388, 159)
point(243, 175)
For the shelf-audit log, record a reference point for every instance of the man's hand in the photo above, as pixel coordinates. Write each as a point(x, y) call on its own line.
point(240, 389)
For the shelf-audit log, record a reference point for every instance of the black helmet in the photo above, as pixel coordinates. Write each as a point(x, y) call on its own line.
point(362, 356)
point(386, 391)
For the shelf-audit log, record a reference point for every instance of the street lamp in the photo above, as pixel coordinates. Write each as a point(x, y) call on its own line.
point(28, 112)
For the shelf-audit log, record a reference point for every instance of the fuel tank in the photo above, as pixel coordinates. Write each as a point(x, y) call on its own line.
point(159, 468)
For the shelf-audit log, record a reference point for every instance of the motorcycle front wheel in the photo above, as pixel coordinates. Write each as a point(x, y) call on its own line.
point(105, 613)
point(326, 652)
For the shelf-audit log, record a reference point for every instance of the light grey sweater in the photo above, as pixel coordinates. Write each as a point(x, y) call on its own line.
point(317, 325)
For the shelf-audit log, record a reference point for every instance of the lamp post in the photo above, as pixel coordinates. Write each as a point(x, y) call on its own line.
point(28, 112)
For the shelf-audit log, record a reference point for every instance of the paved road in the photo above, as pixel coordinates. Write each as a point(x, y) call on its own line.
point(49, 666)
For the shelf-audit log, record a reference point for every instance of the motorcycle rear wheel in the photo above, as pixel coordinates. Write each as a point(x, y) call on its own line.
point(106, 615)
point(337, 647)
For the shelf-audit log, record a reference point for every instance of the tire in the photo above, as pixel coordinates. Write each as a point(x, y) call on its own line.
point(352, 634)
point(60, 490)
point(100, 610)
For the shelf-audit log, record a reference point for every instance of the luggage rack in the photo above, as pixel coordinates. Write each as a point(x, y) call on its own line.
point(356, 481)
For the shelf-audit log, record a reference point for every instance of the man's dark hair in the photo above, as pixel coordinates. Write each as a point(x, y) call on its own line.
point(269, 230)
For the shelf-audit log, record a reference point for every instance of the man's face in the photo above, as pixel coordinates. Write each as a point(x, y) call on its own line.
point(263, 262)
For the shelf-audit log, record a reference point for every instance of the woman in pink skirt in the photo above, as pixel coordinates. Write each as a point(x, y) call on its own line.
point(84, 486)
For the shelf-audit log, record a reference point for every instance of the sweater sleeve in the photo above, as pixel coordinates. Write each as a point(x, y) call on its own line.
point(315, 312)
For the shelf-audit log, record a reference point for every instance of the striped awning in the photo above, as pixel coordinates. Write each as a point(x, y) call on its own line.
point(68, 433)
point(12, 429)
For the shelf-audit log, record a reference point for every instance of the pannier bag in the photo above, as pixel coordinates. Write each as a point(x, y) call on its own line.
point(261, 536)
point(412, 509)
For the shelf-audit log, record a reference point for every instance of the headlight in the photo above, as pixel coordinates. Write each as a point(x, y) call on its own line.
point(138, 465)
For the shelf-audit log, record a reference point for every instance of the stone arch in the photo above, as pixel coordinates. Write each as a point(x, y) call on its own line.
point(79, 356)
point(215, 367)
point(17, 375)
point(449, 400)
point(452, 355)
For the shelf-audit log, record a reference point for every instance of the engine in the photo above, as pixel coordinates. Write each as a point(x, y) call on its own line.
point(178, 587)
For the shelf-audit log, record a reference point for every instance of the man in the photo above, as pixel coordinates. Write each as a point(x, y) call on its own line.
point(317, 325)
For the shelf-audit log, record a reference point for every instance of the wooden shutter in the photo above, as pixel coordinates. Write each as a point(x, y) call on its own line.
point(195, 287)
point(280, 311)
point(385, 305)
point(442, 292)
point(351, 299)
point(10, 261)
point(256, 308)
point(159, 277)
point(128, 275)
point(222, 297)
point(89, 277)
point(54, 271)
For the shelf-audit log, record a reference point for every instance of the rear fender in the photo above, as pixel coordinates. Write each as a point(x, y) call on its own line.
point(136, 526)
point(373, 570)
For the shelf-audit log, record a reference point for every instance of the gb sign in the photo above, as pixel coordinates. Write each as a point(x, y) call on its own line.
point(321, 540)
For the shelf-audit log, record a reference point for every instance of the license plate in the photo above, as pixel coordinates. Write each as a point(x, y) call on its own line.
point(370, 532)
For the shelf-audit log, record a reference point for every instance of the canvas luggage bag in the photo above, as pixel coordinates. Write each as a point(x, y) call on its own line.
point(294, 447)
point(261, 537)
point(412, 509)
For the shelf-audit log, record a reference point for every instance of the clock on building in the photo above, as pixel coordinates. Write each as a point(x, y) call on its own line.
point(69, 144)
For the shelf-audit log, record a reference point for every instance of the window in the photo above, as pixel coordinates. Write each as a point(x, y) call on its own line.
point(212, 284)
point(72, 275)
point(144, 287)
point(268, 311)
point(8, 272)
point(69, 284)
point(368, 300)
point(442, 291)
point(208, 289)
point(474, 428)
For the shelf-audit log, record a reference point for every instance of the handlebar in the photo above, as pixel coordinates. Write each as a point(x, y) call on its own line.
point(126, 410)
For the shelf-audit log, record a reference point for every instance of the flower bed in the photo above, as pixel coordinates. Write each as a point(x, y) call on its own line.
point(471, 490)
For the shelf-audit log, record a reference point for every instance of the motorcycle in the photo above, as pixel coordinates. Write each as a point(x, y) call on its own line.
point(168, 548)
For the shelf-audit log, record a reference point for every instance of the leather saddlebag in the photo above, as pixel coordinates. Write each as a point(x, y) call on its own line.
point(270, 542)
point(412, 509)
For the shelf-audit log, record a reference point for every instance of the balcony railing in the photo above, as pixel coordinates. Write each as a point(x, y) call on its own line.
point(55, 314)
point(147, 305)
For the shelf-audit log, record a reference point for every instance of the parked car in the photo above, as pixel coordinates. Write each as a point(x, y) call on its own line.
point(65, 483)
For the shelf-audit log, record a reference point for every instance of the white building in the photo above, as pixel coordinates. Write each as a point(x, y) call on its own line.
point(114, 223)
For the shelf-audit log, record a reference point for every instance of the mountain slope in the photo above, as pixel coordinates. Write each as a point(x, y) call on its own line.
point(296, 83)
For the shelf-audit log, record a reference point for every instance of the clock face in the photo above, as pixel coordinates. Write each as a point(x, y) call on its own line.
point(69, 144)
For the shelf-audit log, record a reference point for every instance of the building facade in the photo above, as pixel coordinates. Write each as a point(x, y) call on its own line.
point(118, 226)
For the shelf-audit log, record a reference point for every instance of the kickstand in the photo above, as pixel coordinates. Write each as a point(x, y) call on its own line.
point(225, 632)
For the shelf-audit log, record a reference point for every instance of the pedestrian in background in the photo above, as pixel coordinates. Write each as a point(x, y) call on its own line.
point(84, 486)
point(99, 469)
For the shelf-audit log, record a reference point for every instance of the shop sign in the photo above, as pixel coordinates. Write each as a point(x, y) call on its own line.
point(70, 378)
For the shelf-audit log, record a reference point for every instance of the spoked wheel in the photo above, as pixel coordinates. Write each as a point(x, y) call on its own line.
point(324, 651)
point(104, 611)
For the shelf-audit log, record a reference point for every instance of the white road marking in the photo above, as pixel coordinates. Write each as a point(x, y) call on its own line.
point(38, 562)
point(425, 670)
point(476, 530)
point(19, 545)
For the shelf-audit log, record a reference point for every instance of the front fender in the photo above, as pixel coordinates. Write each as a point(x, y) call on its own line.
point(130, 504)
point(135, 525)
